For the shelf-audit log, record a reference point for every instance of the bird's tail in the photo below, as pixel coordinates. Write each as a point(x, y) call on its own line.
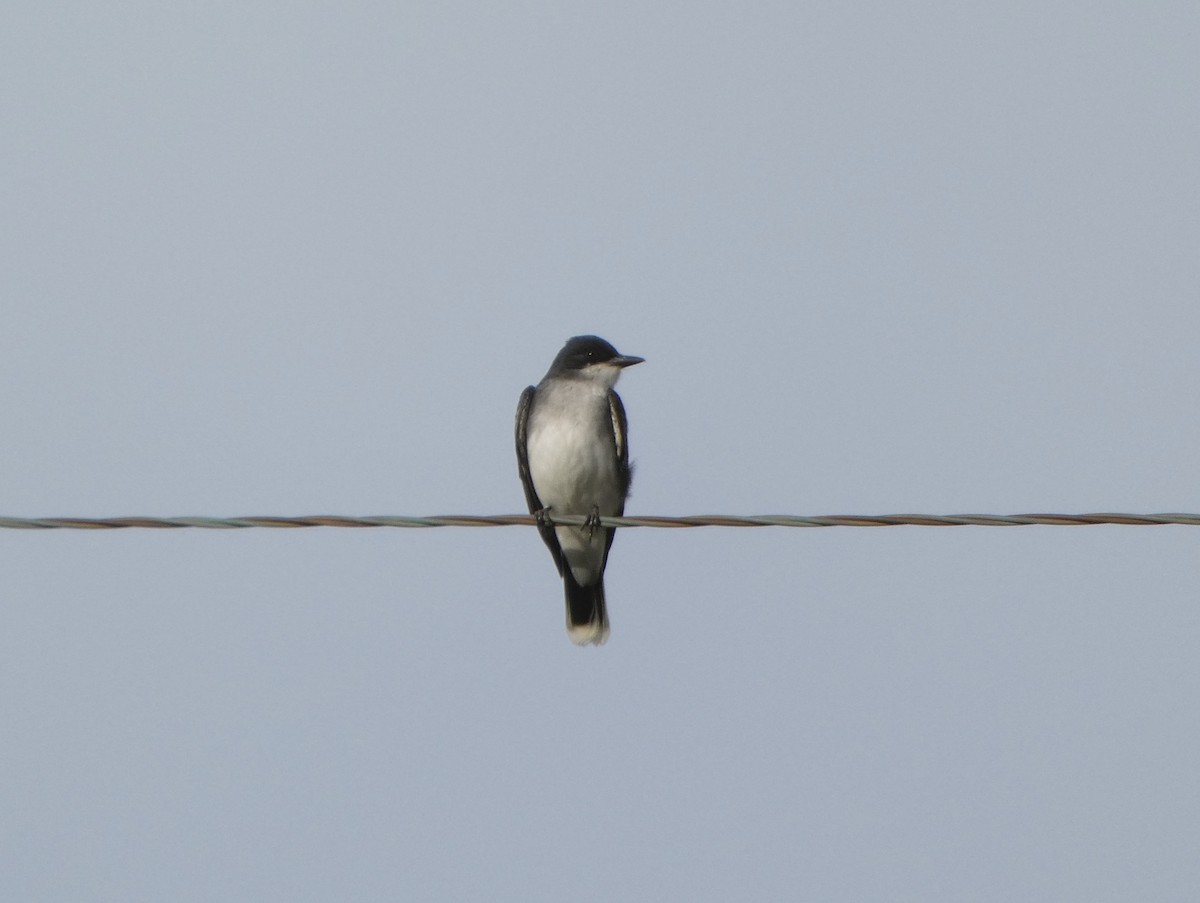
point(587, 616)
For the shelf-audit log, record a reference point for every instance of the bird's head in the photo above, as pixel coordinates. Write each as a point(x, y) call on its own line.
point(590, 357)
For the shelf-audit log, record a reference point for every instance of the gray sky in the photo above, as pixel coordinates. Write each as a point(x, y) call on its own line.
point(268, 258)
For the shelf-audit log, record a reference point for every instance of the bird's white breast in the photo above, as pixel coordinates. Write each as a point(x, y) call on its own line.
point(574, 468)
point(572, 457)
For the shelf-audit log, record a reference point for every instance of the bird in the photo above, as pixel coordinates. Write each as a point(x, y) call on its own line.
point(573, 458)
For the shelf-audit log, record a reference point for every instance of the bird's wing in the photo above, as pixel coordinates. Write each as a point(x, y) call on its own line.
point(531, 497)
point(620, 429)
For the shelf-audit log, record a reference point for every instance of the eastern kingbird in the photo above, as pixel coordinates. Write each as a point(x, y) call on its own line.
point(573, 454)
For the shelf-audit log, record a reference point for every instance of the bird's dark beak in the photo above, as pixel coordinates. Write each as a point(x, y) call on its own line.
point(626, 360)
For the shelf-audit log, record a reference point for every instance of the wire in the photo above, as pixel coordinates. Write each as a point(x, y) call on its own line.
point(525, 520)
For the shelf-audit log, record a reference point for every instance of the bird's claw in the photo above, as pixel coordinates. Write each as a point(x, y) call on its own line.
point(593, 522)
point(541, 517)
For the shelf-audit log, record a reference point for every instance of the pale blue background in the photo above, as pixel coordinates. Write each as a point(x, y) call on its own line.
point(291, 258)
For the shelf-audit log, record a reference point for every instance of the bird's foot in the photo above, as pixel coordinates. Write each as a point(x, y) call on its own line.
point(593, 521)
point(541, 516)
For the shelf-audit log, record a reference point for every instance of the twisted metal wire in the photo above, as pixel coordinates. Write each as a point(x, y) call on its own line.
point(526, 520)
